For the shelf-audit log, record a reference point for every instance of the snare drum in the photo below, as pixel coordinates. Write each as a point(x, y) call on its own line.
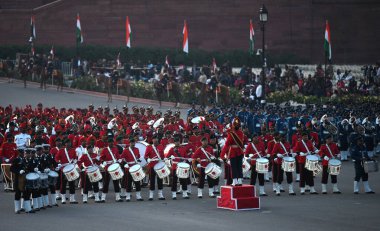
point(115, 171)
point(161, 170)
point(213, 170)
point(71, 172)
point(32, 180)
point(93, 173)
point(262, 165)
point(44, 182)
point(137, 172)
point(52, 178)
point(288, 164)
point(183, 170)
point(246, 166)
point(334, 166)
point(311, 162)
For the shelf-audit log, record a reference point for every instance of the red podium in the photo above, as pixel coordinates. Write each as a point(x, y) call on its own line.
point(238, 198)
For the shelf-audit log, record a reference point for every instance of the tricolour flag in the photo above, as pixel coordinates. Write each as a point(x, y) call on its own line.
point(327, 44)
point(79, 34)
point(128, 33)
point(251, 38)
point(32, 28)
point(214, 65)
point(52, 51)
point(167, 61)
point(185, 44)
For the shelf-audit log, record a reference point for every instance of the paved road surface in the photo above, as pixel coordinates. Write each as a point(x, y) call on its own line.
point(309, 212)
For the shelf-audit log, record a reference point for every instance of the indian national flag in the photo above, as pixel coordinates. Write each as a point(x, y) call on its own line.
point(327, 44)
point(79, 31)
point(185, 44)
point(32, 28)
point(251, 38)
point(128, 33)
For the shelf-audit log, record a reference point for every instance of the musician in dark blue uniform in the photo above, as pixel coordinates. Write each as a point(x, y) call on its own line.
point(359, 155)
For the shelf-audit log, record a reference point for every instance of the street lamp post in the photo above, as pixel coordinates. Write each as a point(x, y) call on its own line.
point(263, 19)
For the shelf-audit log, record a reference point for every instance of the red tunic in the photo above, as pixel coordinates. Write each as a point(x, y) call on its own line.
point(300, 147)
point(85, 160)
point(324, 151)
point(178, 153)
point(231, 149)
point(106, 156)
point(128, 156)
point(61, 158)
point(8, 151)
point(204, 160)
point(151, 153)
point(250, 150)
point(279, 149)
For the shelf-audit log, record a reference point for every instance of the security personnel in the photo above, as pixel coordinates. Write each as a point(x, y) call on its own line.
point(359, 155)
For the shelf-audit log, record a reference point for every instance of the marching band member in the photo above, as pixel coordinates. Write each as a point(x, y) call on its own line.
point(204, 155)
point(359, 155)
point(53, 152)
point(23, 138)
point(45, 162)
point(176, 154)
point(50, 165)
point(32, 166)
point(329, 151)
point(233, 152)
point(131, 155)
point(8, 150)
point(280, 150)
point(256, 150)
point(66, 155)
point(297, 136)
point(108, 156)
point(216, 149)
point(153, 154)
point(344, 132)
point(303, 148)
point(87, 159)
point(18, 168)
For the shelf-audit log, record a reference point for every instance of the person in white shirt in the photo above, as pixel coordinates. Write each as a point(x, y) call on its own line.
point(22, 139)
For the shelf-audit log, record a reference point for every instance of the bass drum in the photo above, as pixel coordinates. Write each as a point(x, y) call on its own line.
point(141, 146)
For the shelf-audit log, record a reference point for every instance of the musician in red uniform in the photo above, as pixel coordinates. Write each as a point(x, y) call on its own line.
point(295, 138)
point(108, 156)
point(303, 148)
point(233, 152)
point(256, 150)
point(327, 152)
point(87, 159)
point(280, 150)
point(177, 155)
point(65, 156)
point(131, 156)
point(204, 155)
point(8, 150)
point(153, 154)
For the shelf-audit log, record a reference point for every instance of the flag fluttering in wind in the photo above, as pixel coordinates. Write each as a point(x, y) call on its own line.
point(32, 29)
point(79, 34)
point(52, 52)
point(167, 61)
point(251, 38)
point(185, 44)
point(214, 65)
point(327, 44)
point(128, 33)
